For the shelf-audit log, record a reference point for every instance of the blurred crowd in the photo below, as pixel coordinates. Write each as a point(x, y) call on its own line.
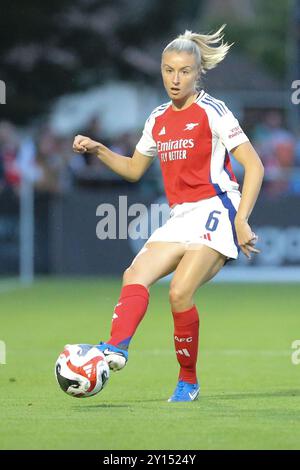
point(279, 149)
point(48, 160)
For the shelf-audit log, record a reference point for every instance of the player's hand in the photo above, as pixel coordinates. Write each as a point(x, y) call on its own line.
point(246, 238)
point(84, 144)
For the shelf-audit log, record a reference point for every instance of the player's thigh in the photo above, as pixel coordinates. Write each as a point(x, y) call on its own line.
point(199, 264)
point(154, 261)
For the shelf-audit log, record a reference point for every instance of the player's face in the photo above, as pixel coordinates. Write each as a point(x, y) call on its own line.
point(179, 73)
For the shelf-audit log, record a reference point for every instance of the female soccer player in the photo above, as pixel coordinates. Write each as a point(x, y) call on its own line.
point(208, 225)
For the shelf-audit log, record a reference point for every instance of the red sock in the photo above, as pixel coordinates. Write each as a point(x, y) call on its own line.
point(128, 313)
point(186, 336)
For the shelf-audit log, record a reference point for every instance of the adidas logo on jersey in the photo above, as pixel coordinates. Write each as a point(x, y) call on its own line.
point(162, 131)
point(206, 236)
point(190, 126)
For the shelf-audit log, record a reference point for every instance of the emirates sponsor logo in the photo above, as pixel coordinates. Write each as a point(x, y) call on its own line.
point(174, 149)
point(175, 145)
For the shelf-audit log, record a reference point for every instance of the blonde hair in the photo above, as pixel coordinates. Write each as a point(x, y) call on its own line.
point(202, 46)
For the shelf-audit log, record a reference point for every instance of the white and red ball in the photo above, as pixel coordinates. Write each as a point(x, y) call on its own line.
point(81, 370)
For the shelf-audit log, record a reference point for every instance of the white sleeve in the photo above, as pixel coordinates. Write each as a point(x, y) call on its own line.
point(228, 129)
point(146, 144)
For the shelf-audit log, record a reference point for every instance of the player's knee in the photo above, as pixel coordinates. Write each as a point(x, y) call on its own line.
point(179, 295)
point(132, 275)
point(128, 275)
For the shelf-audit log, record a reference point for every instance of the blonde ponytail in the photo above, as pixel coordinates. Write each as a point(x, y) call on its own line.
point(203, 46)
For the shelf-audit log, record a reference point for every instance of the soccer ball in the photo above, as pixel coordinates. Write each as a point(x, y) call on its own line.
point(81, 370)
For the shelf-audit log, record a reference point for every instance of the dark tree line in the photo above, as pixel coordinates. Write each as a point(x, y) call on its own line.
point(54, 47)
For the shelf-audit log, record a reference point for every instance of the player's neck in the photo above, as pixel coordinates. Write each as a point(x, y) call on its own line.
point(179, 105)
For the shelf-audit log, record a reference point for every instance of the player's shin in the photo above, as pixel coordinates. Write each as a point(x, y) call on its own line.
point(186, 337)
point(128, 313)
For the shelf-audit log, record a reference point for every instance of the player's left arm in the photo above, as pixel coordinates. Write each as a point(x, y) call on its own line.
point(246, 155)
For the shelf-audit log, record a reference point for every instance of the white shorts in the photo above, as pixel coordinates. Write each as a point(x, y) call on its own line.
point(208, 222)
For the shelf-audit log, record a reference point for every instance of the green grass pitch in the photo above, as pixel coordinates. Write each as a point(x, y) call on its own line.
point(250, 390)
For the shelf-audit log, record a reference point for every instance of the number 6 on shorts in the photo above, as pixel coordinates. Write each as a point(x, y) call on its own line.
point(212, 221)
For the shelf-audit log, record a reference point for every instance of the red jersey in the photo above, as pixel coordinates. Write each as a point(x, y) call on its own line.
point(192, 146)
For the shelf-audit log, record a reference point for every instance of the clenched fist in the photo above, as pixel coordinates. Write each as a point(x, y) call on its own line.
point(84, 144)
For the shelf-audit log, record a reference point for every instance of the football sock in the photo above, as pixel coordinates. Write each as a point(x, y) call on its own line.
point(186, 336)
point(128, 313)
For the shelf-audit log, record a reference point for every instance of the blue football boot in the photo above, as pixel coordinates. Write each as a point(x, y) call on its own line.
point(115, 357)
point(185, 391)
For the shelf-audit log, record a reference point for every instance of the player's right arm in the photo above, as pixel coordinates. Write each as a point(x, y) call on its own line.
point(129, 168)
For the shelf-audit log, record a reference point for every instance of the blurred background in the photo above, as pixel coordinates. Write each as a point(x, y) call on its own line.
point(93, 67)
